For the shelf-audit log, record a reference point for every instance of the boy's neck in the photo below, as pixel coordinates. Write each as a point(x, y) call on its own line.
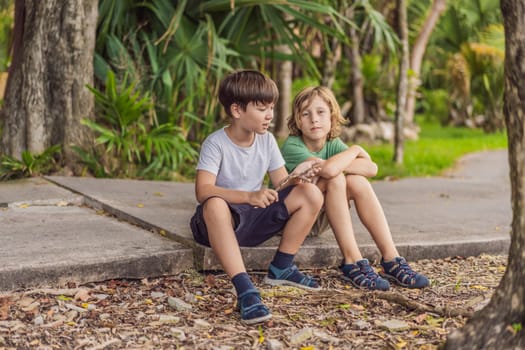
point(239, 136)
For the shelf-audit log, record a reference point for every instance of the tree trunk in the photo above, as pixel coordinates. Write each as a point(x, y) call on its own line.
point(330, 63)
point(403, 82)
point(46, 96)
point(418, 50)
point(498, 325)
point(284, 82)
point(356, 77)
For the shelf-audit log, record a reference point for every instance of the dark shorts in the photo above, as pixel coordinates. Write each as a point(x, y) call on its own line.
point(252, 225)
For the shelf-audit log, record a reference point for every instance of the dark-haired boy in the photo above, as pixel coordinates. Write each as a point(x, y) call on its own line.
point(235, 208)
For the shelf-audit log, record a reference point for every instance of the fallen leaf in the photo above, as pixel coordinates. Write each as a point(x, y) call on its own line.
point(210, 280)
point(401, 343)
point(82, 295)
point(434, 322)
point(4, 311)
point(420, 318)
point(477, 286)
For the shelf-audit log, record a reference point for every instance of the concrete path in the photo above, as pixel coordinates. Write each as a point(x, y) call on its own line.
point(55, 230)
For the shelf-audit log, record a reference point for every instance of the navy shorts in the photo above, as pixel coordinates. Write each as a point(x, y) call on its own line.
point(252, 226)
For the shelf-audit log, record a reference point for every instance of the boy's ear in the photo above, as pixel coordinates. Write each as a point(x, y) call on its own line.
point(235, 110)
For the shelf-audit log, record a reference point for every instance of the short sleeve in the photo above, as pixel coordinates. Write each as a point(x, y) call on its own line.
point(294, 152)
point(210, 156)
point(335, 146)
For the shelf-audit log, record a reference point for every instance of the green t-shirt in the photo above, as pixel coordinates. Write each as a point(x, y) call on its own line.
point(295, 151)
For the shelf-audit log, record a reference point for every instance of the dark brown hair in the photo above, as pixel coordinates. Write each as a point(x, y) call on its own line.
point(245, 86)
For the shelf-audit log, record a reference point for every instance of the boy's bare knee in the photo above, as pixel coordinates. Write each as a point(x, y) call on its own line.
point(214, 206)
point(337, 182)
point(304, 194)
point(357, 185)
point(314, 194)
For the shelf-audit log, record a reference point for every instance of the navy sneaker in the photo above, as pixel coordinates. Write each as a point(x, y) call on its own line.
point(251, 307)
point(362, 275)
point(399, 272)
point(291, 277)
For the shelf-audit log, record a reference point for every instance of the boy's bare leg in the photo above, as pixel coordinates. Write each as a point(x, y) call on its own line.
point(336, 208)
point(371, 214)
point(303, 203)
point(222, 237)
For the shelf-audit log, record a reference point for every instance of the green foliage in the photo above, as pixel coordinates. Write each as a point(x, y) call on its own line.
point(178, 51)
point(91, 161)
point(6, 27)
point(29, 164)
point(434, 105)
point(299, 84)
point(437, 149)
point(175, 60)
point(486, 61)
point(384, 35)
point(134, 143)
point(378, 82)
point(465, 56)
point(517, 327)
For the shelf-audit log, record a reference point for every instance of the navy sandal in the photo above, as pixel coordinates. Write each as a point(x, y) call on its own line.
point(254, 312)
point(290, 276)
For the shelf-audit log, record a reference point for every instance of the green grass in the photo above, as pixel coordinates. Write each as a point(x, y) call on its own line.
point(437, 149)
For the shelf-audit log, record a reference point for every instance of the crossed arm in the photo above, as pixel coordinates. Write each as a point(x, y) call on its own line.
point(354, 160)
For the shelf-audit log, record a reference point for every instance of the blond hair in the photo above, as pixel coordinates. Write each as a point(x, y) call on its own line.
point(303, 100)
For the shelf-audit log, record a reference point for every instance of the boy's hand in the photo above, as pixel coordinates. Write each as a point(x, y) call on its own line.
point(263, 198)
point(305, 172)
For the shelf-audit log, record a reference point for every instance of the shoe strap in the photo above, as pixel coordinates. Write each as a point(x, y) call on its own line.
point(289, 271)
point(369, 272)
point(248, 292)
point(403, 265)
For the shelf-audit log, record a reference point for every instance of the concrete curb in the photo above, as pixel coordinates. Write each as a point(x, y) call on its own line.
point(56, 230)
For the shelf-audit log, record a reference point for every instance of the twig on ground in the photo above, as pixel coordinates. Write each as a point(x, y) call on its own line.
point(442, 311)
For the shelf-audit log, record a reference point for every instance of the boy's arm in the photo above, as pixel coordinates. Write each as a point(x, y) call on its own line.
point(306, 171)
point(362, 166)
point(354, 160)
point(277, 177)
point(205, 188)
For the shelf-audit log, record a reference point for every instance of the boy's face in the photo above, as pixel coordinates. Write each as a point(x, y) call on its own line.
point(256, 118)
point(315, 120)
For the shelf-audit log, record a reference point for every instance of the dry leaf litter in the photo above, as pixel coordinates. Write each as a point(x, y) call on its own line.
point(197, 311)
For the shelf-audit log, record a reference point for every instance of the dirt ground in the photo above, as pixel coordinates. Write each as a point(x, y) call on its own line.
point(197, 311)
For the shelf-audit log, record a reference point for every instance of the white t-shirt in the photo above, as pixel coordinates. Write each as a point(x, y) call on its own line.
point(239, 168)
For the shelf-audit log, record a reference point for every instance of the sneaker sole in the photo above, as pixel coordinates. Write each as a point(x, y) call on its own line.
point(256, 319)
point(273, 282)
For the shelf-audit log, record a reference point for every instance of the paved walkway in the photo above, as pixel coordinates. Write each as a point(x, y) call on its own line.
point(54, 230)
